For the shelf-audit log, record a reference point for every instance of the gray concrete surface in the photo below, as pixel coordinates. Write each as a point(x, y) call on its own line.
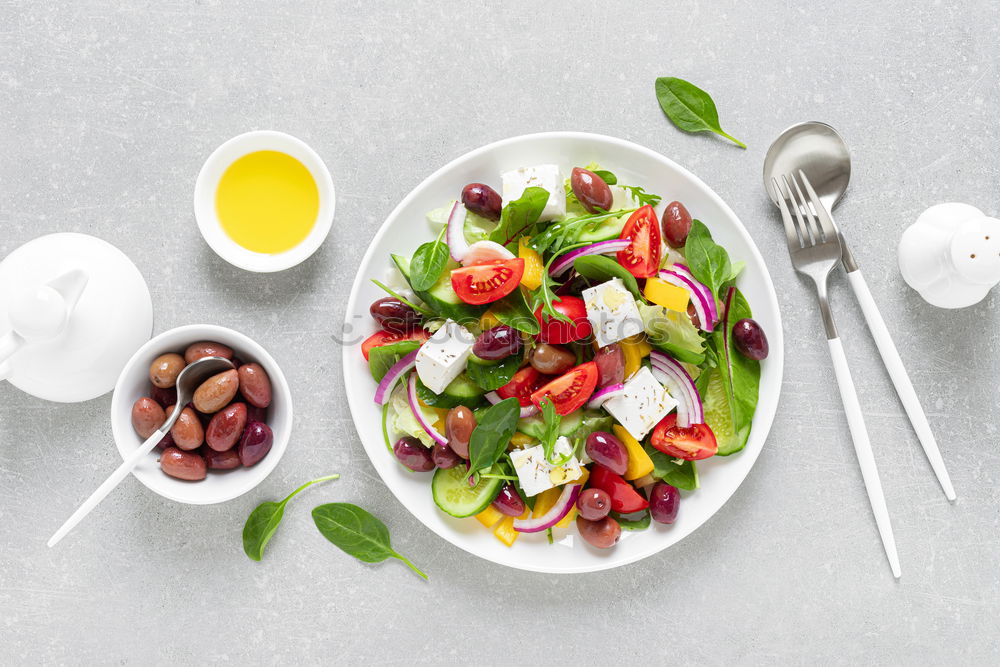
point(107, 111)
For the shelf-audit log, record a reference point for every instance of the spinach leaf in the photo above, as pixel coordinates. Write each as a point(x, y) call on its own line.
point(683, 475)
point(601, 268)
point(689, 107)
point(264, 520)
point(518, 216)
point(357, 533)
point(740, 375)
point(551, 421)
point(428, 262)
point(492, 375)
point(382, 358)
point(607, 176)
point(708, 261)
point(635, 521)
point(513, 311)
point(494, 428)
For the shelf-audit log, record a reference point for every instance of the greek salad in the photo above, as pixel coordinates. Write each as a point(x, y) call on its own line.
point(562, 353)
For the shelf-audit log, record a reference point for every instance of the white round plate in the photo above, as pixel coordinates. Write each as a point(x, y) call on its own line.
point(404, 230)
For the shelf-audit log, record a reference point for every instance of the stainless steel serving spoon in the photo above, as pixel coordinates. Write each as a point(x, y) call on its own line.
point(189, 379)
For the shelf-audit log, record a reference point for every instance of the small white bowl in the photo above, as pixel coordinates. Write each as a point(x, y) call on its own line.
point(208, 183)
point(219, 485)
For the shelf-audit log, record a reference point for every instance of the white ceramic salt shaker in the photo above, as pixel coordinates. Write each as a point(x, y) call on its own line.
point(951, 255)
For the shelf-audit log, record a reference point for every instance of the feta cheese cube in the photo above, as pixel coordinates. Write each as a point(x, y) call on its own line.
point(545, 176)
point(536, 474)
point(642, 404)
point(442, 358)
point(612, 312)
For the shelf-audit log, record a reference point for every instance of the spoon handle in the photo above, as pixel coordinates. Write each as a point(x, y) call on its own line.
point(110, 483)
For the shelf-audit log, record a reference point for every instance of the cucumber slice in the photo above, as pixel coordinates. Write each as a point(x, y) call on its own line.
point(607, 230)
point(454, 496)
point(719, 415)
point(460, 391)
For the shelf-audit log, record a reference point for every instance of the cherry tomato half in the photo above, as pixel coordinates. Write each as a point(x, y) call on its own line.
point(642, 256)
point(624, 498)
point(570, 390)
point(691, 444)
point(524, 383)
point(380, 338)
point(487, 282)
point(560, 332)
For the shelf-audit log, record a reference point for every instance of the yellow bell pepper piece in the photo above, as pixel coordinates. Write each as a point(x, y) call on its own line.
point(522, 439)
point(545, 500)
point(489, 516)
point(488, 320)
point(664, 294)
point(505, 529)
point(633, 357)
point(644, 347)
point(639, 463)
point(534, 267)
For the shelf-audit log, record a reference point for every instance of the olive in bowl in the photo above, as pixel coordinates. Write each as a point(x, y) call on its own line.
point(232, 434)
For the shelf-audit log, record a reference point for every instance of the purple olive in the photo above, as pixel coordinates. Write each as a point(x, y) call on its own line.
point(412, 454)
point(750, 339)
point(664, 500)
point(610, 365)
point(508, 501)
point(606, 449)
point(482, 200)
point(590, 190)
point(255, 443)
point(394, 315)
point(497, 343)
point(593, 504)
point(445, 457)
point(602, 534)
point(165, 397)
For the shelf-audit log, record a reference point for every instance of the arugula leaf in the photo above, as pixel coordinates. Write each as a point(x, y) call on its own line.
point(494, 428)
point(740, 375)
point(513, 311)
point(382, 358)
point(492, 375)
point(708, 261)
point(545, 295)
point(550, 429)
point(518, 216)
point(689, 107)
point(428, 262)
point(635, 521)
point(357, 533)
point(644, 198)
point(599, 267)
point(563, 233)
point(264, 520)
point(683, 475)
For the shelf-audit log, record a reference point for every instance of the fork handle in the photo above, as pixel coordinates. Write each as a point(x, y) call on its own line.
point(900, 379)
point(863, 449)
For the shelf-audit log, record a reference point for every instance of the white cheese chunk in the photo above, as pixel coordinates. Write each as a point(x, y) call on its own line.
point(545, 176)
point(442, 358)
point(642, 404)
point(612, 312)
point(536, 474)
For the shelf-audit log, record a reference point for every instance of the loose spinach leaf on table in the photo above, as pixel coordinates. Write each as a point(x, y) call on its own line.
point(740, 375)
point(264, 520)
point(428, 262)
point(358, 533)
point(683, 475)
point(601, 268)
point(513, 311)
point(382, 358)
point(494, 428)
point(519, 216)
point(492, 375)
point(689, 107)
point(708, 261)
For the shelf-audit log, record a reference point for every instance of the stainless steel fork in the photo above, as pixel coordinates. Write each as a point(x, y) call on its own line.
point(815, 248)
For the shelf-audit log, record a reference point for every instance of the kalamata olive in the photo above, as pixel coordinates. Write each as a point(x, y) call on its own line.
point(412, 454)
point(482, 200)
point(552, 359)
point(167, 441)
point(216, 392)
point(602, 534)
point(206, 348)
point(226, 460)
point(458, 427)
point(508, 501)
point(445, 457)
point(610, 365)
point(607, 450)
point(187, 431)
point(147, 416)
point(497, 343)
point(591, 190)
point(593, 504)
point(184, 465)
point(693, 314)
point(750, 339)
point(676, 224)
point(255, 414)
point(226, 427)
point(663, 502)
point(165, 397)
point(255, 385)
point(164, 370)
point(255, 443)
point(394, 315)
